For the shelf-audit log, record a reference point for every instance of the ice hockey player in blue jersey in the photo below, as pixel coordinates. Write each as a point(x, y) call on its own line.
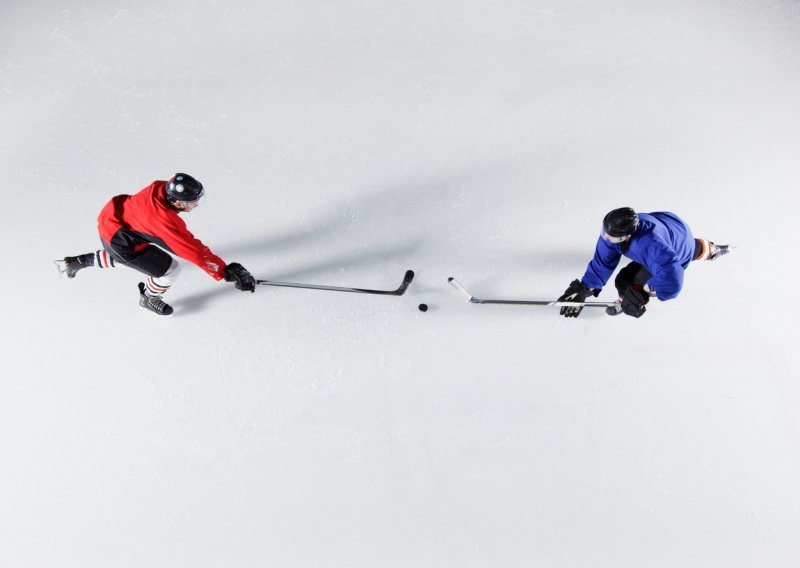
point(660, 245)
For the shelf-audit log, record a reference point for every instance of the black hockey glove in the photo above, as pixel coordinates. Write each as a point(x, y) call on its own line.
point(237, 273)
point(577, 292)
point(633, 301)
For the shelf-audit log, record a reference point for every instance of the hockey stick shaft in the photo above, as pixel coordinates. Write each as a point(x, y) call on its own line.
point(409, 276)
point(473, 300)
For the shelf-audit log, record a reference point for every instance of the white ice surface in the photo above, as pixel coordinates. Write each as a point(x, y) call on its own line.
point(344, 142)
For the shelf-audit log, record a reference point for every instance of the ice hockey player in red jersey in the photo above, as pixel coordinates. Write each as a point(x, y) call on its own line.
point(141, 230)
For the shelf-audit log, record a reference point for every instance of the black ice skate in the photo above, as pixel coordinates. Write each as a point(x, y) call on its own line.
point(70, 265)
point(153, 303)
point(718, 251)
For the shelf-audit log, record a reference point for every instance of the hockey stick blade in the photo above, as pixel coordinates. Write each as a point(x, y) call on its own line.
point(409, 276)
point(457, 285)
point(473, 300)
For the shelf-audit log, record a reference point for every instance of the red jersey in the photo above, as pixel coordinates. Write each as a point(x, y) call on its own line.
point(147, 217)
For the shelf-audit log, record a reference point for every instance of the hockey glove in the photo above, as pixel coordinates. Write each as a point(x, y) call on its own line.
point(633, 301)
point(237, 273)
point(577, 292)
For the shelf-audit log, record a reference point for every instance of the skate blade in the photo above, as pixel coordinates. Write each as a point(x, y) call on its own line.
point(61, 266)
point(722, 250)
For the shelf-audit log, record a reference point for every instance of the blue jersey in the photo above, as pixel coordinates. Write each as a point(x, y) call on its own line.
point(662, 243)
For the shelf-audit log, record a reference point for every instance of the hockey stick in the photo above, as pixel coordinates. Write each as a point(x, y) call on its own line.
point(399, 292)
point(473, 300)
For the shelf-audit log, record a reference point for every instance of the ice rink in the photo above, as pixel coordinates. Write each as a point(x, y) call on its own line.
point(343, 142)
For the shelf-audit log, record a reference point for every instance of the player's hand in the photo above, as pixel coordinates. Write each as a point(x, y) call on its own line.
point(634, 300)
point(237, 273)
point(576, 292)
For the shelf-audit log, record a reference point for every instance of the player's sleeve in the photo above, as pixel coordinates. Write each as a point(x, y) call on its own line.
point(183, 243)
point(667, 273)
point(602, 266)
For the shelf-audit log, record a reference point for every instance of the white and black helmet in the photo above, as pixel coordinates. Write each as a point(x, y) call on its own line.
point(183, 187)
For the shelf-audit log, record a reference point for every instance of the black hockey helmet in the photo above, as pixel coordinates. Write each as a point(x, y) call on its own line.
point(620, 222)
point(183, 187)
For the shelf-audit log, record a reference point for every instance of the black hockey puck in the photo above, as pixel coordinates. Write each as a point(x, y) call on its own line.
point(423, 307)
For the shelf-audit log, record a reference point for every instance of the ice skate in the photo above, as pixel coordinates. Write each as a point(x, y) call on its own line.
point(718, 251)
point(153, 303)
point(70, 265)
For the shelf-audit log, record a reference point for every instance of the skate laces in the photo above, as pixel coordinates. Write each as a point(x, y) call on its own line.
point(156, 302)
